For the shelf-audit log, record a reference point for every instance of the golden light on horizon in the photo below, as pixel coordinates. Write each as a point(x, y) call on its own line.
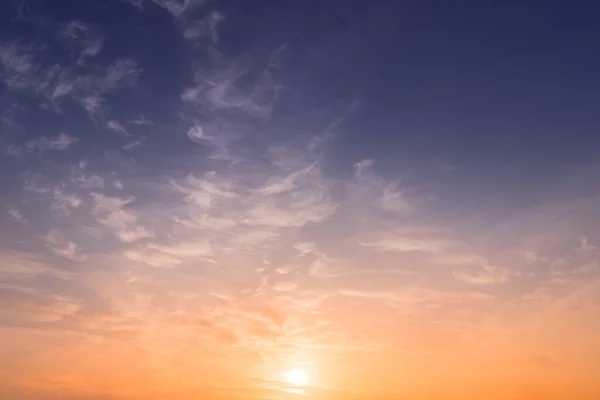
point(296, 377)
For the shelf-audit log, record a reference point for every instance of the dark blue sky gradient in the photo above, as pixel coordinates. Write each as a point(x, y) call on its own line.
point(500, 97)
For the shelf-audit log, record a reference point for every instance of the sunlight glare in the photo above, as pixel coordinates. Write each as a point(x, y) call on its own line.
point(296, 377)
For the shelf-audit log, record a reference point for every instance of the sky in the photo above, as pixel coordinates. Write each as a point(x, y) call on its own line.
point(390, 199)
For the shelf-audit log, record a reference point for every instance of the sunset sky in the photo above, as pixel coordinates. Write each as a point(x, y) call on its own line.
point(299, 200)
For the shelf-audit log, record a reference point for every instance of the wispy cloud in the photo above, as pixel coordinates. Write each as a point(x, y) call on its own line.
point(24, 71)
point(85, 38)
point(63, 247)
point(60, 142)
point(171, 254)
point(116, 126)
point(17, 214)
point(484, 275)
point(61, 201)
point(110, 212)
point(141, 121)
point(423, 239)
point(206, 27)
point(177, 8)
point(223, 90)
point(439, 250)
point(16, 266)
point(82, 179)
point(417, 295)
point(373, 189)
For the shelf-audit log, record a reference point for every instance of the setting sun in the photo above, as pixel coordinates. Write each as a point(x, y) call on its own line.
point(296, 377)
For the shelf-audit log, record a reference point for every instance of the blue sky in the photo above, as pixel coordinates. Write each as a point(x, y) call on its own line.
point(305, 185)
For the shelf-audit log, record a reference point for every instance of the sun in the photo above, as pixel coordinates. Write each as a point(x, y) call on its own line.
point(296, 377)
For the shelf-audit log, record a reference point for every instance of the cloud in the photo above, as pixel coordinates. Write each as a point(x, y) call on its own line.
point(116, 126)
point(196, 133)
point(483, 275)
point(417, 295)
point(18, 65)
point(91, 89)
point(297, 210)
point(63, 203)
point(23, 71)
point(421, 239)
point(85, 38)
point(297, 198)
point(80, 178)
point(110, 212)
point(222, 90)
point(18, 266)
point(376, 191)
point(168, 255)
point(60, 142)
point(62, 247)
point(177, 8)
point(206, 27)
point(141, 121)
point(285, 286)
point(439, 251)
point(139, 4)
point(17, 214)
point(207, 191)
point(280, 201)
point(52, 308)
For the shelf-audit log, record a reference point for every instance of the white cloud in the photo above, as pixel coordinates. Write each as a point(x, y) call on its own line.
point(196, 133)
point(172, 254)
point(16, 265)
point(85, 38)
point(206, 222)
point(178, 7)
point(285, 286)
point(221, 90)
point(133, 144)
point(207, 191)
point(116, 126)
point(63, 203)
point(18, 64)
point(417, 295)
point(408, 239)
point(483, 275)
point(63, 247)
point(376, 191)
point(79, 177)
point(23, 72)
point(393, 199)
point(141, 121)
point(60, 142)
point(468, 267)
point(122, 71)
point(295, 199)
point(110, 212)
point(206, 27)
point(17, 214)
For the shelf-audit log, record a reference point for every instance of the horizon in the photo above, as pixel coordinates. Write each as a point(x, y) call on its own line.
point(307, 200)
